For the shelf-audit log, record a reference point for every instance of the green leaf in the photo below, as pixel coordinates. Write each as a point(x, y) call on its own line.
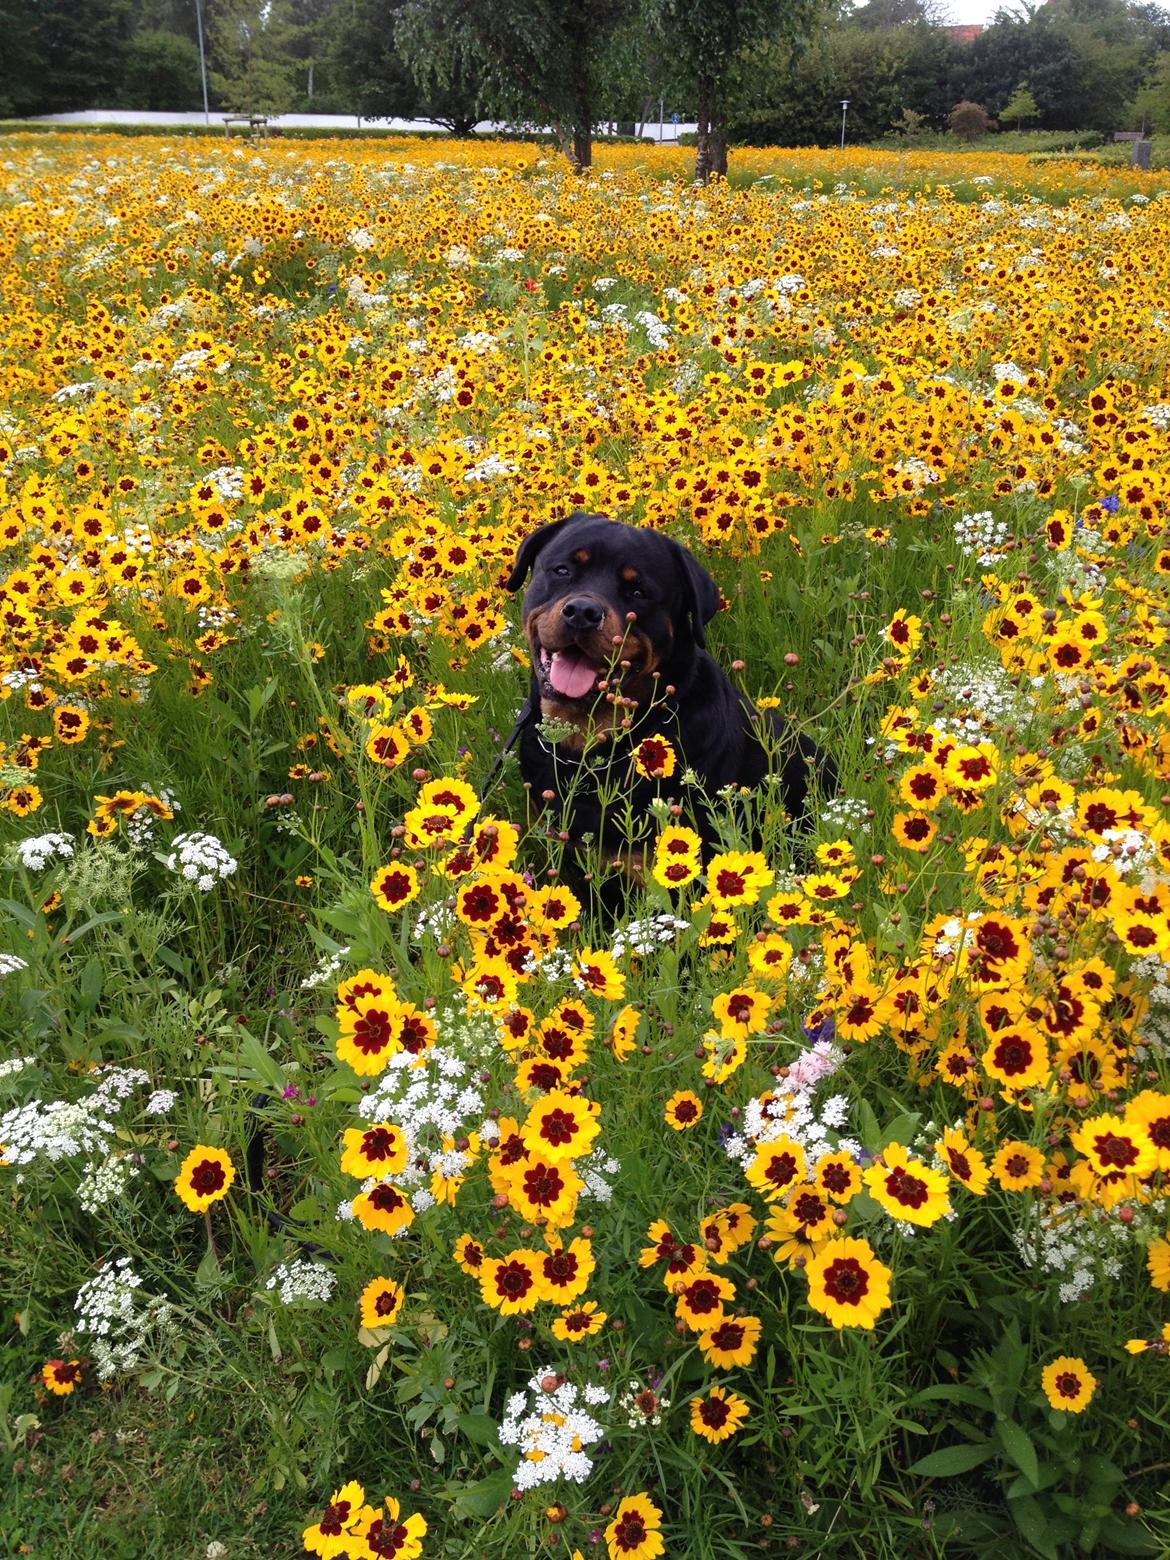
point(953, 1459)
point(91, 982)
point(903, 1128)
point(1018, 1446)
point(480, 1428)
point(952, 1392)
point(483, 1498)
point(1037, 1527)
point(871, 1133)
point(1121, 1537)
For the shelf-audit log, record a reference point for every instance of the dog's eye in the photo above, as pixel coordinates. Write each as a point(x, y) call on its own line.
point(563, 570)
point(636, 593)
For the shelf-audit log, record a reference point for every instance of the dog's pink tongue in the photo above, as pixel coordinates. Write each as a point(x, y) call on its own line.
point(571, 673)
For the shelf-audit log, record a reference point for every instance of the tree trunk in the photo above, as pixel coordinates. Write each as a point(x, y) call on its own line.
point(583, 146)
point(704, 165)
point(582, 104)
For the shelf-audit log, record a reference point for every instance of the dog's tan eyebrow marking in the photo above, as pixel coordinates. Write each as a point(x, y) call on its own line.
point(630, 575)
point(581, 556)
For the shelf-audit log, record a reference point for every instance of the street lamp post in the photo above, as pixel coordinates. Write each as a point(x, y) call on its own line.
point(844, 111)
point(202, 61)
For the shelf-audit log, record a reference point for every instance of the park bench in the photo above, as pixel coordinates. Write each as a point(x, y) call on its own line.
point(257, 124)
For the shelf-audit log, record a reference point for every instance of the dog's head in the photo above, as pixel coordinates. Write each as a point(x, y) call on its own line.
point(603, 595)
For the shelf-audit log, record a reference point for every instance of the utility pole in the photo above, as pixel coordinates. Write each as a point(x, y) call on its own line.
point(202, 61)
point(844, 111)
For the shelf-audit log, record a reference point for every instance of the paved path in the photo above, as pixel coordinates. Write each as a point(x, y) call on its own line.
point(322, 122)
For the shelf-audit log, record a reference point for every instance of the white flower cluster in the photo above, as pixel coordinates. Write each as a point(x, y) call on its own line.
point(657, 331)
point(200, 859)
point(326, 971)
point(1073, 1248)
point(849, 814)
point(642, 936)
point(121, 1318)
point(1159, 415)
point(160, 1102)
point(1009, 373)
point(35, 852)
point(489, 468)
point(430, 1097)
point(359, 239)
point(981, 535)
point(790, 1112)
point(551, 1426)
point(10, 963)
point(980, 697)
point(300, 1280)
point(102, 1180)
point(15, 1064)
point(62, 1129)
point(142, 827)
point(598, 1171)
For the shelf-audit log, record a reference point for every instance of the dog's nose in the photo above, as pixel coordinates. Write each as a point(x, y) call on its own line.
point(582, 612)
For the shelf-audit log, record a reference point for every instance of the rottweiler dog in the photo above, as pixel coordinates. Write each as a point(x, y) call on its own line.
point(615, 619)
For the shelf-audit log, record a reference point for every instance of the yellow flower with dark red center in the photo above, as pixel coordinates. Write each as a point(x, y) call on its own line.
point(726, 1230)
point(914, 830)
point(906, 1188)
point(70, 723)
point(972, 766)
point(580, 1321)
point(1150, 1110)
point(335, 1531)
point(799, 1227)
point(683, 1110)
point(837, 1176)
point(368, 1013)
point(922, 787)
point(732, 1343)
point(904, 632)
point(1018, 1166)
point(541, 1189)
point(678, 856)
point(552, 908)
point(62, 1376)
point(512, 1284)
point(700, 1299)
point(654, 758)
point(1068, 1384)
point(861, 1011)
point(594, 971)
point(1113, 1146)
point(737, 878)
point(718, 1414)
point(789, 909)
point(964, 1161)
point(380, 1302)
point(824, 887)
point(741, 1012)
point(561, 1126)
point(394, 885)
point(778, 1166)
point(623, 1033)
point(373, 1151)
point(440, 815)
point(468, 1254)
point(386, 1535)
point(847, 1284)
point(387, 745)
point(565, 1271)
point(1017, 1057)
point(634, 1532)
point(205, 1176)
point(724, 1057)
point(1158, 1263)
point(770, 956)
point(383, 1208)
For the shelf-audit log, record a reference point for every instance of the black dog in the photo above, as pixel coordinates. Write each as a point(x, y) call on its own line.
point(615, 619)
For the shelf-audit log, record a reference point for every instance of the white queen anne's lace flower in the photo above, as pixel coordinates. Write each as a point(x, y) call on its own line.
point(200, 859)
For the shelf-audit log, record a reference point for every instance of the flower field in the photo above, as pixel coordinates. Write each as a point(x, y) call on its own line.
point(367, 1189)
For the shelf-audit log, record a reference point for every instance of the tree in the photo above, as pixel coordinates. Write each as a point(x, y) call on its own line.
point(82, 48)
point(160, 71)
point(1020, 106)
point(704, 37)
point(970, 120)
point(252, 69)
point(532, 59)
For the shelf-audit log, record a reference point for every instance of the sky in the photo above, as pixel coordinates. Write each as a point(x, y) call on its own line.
point(972, 10)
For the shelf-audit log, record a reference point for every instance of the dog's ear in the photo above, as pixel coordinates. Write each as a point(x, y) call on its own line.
point(532, 547)
point(701, 597)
